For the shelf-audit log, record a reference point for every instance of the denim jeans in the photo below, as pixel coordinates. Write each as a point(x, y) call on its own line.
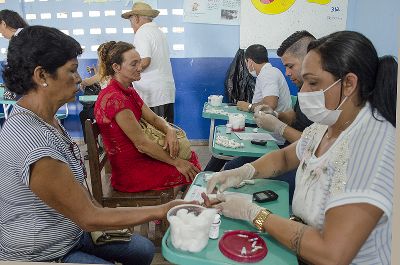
point(139, 251)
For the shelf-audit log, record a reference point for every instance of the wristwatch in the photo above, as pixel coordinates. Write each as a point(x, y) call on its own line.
point(260, 219)
point(249, 107)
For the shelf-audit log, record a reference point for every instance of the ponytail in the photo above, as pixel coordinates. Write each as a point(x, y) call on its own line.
point(383, 97)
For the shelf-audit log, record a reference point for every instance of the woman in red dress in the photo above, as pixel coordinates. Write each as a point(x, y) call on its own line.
point(137, 163)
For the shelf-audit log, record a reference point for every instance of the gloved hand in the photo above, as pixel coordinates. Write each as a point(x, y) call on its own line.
point(237, 207)
point(266, 109)
point(230, 178)
point(269, 122)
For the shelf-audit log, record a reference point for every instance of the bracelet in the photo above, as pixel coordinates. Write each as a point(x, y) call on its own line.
point(261, 218)
point(249, 107)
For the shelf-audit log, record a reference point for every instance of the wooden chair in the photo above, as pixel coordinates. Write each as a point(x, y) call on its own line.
point(103, 192)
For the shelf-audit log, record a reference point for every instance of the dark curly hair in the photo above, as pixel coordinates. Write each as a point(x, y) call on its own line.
point(36, 46)
point(296, 44)
point(12, 19)
point(346, 52)
point(110, 53)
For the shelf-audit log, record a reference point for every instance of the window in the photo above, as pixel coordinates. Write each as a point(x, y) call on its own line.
point(177, 12)
point(109, 13)
point(178, 29)
point(30, 16)
point(78, 32)
point(62, 15)
point(127, 30)
point(178, 47)
point(111, 30)
point(95, 31)
point(94, 13)
point(76, 14)
point(45, 15)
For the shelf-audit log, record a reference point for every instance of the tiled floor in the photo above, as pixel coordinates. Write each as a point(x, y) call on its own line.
point(204, 155)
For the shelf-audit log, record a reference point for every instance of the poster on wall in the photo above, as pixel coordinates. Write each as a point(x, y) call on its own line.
point(269, 22)
point(226, 12)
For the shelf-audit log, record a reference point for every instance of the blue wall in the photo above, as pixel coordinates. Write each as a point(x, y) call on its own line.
point(200, 69)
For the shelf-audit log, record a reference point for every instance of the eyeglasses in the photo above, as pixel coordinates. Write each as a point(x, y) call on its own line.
point(76, 152)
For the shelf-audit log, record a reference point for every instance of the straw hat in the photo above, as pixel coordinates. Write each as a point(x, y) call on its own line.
point(141, 9)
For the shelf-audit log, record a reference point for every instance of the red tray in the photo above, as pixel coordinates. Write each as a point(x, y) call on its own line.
point(232, 243)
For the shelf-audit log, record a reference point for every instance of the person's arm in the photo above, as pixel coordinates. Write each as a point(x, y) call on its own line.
point(345, 229)
point(271, 101)
point(291, 134)
point(145, 62)
point(276, 163)
point(53, 182)
point(287, 117)
point(90, 81)
point(269, 165)
point(127, 122)
point(268, 121)
point(171, 142)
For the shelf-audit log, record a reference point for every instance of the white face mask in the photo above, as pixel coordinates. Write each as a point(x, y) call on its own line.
point(312, 104)
point(253, 72)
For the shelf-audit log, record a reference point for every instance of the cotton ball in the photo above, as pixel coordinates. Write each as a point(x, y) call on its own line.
point(181, 213)
point(190, 232)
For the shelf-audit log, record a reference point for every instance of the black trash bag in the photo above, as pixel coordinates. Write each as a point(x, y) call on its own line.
point(239, 83)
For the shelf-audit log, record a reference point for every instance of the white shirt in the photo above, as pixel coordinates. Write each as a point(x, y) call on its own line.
point(156, 86)
point(271, 82)
point(357, 168)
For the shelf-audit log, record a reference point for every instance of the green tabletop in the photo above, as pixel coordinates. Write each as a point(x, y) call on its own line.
point(277, 253)
point(248, 149)
point(228, 109)
point(7, 101)
point(85, 99)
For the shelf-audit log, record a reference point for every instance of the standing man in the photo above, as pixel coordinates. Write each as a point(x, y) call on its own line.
point(156, 86)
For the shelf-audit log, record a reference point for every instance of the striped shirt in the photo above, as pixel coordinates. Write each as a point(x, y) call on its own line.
point(357, 168)
point(29, 229)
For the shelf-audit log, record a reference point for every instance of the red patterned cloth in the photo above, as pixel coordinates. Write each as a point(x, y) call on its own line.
point(132, 171)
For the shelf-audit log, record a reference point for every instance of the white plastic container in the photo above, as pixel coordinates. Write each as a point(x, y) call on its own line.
point(214, 229)
point(215, 100)
point(190, 226)
point(237, 121)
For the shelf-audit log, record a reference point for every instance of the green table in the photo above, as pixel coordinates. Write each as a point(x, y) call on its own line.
point(249, 149)
point(277, 253)
point(87, 99)
point(213, 116)
point(229, 109)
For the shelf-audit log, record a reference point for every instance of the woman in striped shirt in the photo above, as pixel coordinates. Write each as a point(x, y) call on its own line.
point(45, 210)
point(345, 160)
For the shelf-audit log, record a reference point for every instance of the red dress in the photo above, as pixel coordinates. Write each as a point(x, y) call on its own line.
point(132, 171)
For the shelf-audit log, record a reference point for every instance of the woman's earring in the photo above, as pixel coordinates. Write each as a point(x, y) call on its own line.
point(44, 84)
